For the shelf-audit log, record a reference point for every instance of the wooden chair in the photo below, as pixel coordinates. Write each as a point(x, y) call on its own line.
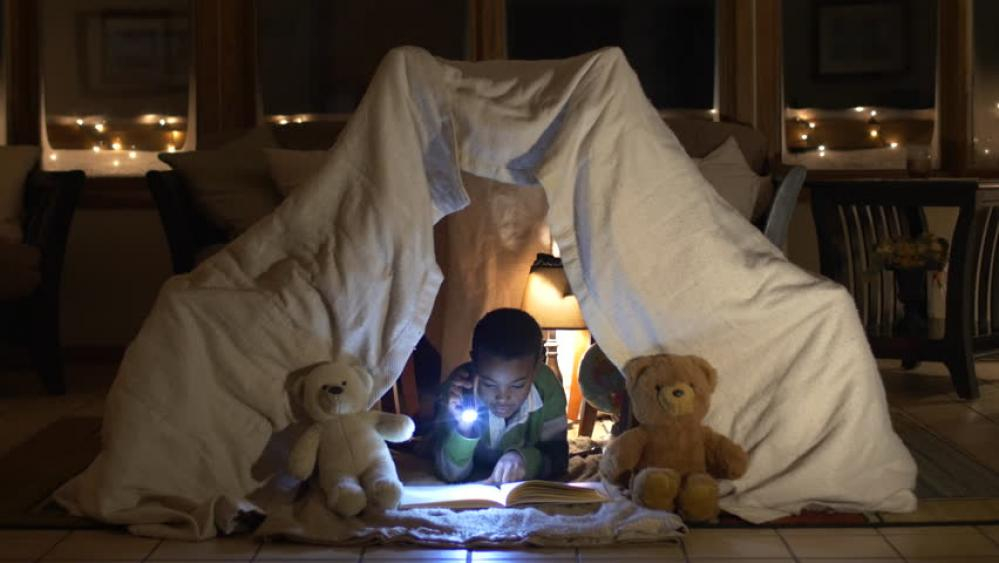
point(852, 217)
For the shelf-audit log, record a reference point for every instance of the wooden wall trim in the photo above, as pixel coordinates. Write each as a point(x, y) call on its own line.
point(486, 30)
point(225, 69)
point(955, 85)
point(769, 75)
point(23, 92)
point(750, 67)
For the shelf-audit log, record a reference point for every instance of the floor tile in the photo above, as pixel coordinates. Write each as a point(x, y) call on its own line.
point(741, 560)
point(934, 544)
point(223, 549)
point(413, 554)
point(991, 531)
point(286, 551)
point(922, 530)
point(633, 553)
point(841, 546)
point(100, 544)
point(947, 510)
point(953, 560)
point(837, 532)
point(28, 544)
point(724, 543)
point(853, 560)
point(554, 555)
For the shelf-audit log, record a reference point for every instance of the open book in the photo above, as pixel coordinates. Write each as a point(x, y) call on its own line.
point(477, 495)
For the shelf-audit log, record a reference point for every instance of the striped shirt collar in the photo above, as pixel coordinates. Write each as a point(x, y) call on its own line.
point(498, 425)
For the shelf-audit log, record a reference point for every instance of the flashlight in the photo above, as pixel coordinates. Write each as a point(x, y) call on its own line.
point(469, 410)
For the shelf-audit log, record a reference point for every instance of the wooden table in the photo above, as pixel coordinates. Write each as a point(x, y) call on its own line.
point(853, 216)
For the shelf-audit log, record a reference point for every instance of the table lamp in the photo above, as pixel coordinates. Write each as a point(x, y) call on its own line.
point(549, 299)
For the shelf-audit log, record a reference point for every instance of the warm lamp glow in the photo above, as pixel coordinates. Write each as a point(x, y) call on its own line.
point(53, 157)
point(549, 299)
point(99, 127)
point(858, 109)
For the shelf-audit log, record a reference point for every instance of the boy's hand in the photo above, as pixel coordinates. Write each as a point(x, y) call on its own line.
point(460, 383)
point(509, 468)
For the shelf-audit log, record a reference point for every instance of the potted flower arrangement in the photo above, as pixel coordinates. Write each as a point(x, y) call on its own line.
point(910, 258)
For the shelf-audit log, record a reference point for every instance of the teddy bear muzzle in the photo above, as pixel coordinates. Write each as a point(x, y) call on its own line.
point(676, 399)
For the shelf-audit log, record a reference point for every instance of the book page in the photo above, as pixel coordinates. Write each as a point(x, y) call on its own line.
point(537, 492)
point(467, 495)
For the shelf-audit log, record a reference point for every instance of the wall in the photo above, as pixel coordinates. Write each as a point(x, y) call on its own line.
point(116, 260)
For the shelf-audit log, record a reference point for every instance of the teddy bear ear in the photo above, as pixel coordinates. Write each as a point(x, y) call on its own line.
point(635, 368)
point(709, 371)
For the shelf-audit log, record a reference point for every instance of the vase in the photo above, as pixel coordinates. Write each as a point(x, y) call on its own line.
point(911, 292)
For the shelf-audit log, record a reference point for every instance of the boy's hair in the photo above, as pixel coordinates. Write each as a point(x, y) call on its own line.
point(506, 334)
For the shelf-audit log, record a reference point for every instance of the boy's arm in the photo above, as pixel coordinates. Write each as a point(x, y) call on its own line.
point(549, 457)
point(453, 453)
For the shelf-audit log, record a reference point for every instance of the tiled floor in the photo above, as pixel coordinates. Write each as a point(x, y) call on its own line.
point(924, 394)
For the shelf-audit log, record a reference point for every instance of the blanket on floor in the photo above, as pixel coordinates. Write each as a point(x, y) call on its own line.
point(658, 261)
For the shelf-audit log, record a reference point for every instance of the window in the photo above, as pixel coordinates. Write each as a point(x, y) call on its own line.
point(116, 80)
point(669, 43)
point(316, 57)
point(859, 82)
point(985, 100)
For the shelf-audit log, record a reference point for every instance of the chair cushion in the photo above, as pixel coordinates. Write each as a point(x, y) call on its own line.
point(231, 185)
point(291, 168)
point(735, 181)
point(20, 271)
point(15, 164)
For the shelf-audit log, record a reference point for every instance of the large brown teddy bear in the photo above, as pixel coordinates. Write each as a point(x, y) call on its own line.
point(671, 459)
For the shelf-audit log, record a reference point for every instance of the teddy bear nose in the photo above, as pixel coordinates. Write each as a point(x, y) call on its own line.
point(678, 393)
point(334, 389)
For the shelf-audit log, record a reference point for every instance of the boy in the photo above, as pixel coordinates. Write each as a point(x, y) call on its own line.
point(520, 432)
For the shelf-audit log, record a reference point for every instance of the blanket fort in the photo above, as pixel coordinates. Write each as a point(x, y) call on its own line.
point(658, 261)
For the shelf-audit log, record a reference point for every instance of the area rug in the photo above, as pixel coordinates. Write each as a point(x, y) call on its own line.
point(952, 488)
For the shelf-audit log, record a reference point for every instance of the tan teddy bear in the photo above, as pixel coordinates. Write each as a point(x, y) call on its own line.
point(671, 459)
point(346, 441)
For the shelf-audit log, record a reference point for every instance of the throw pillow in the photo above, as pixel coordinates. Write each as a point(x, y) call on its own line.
point(15, 164)
point(231, 185)
point(727, 170)
point(291, 168)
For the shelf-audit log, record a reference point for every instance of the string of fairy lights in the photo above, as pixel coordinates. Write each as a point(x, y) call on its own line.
point(806, 131)
point(154, 132)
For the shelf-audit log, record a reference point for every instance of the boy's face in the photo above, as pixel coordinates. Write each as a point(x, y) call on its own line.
point(504, 384)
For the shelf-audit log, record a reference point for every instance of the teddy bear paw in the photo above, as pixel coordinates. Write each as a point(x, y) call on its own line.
point(656, 488)
point(385, 493)
point(699, 498)
point(347, 499)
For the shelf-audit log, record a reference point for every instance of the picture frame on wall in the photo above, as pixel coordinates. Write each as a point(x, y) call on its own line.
point(133, 52)
point(856, 38)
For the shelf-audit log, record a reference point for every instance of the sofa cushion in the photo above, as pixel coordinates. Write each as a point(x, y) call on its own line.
point(726, 169)
point(15, 164)
point(291, 168)
point(231, 185)
point(20, 271)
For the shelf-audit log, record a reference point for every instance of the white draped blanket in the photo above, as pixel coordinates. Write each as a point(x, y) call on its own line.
point(658, 260)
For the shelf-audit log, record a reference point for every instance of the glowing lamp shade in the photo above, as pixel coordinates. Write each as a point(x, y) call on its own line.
point(548, 297)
